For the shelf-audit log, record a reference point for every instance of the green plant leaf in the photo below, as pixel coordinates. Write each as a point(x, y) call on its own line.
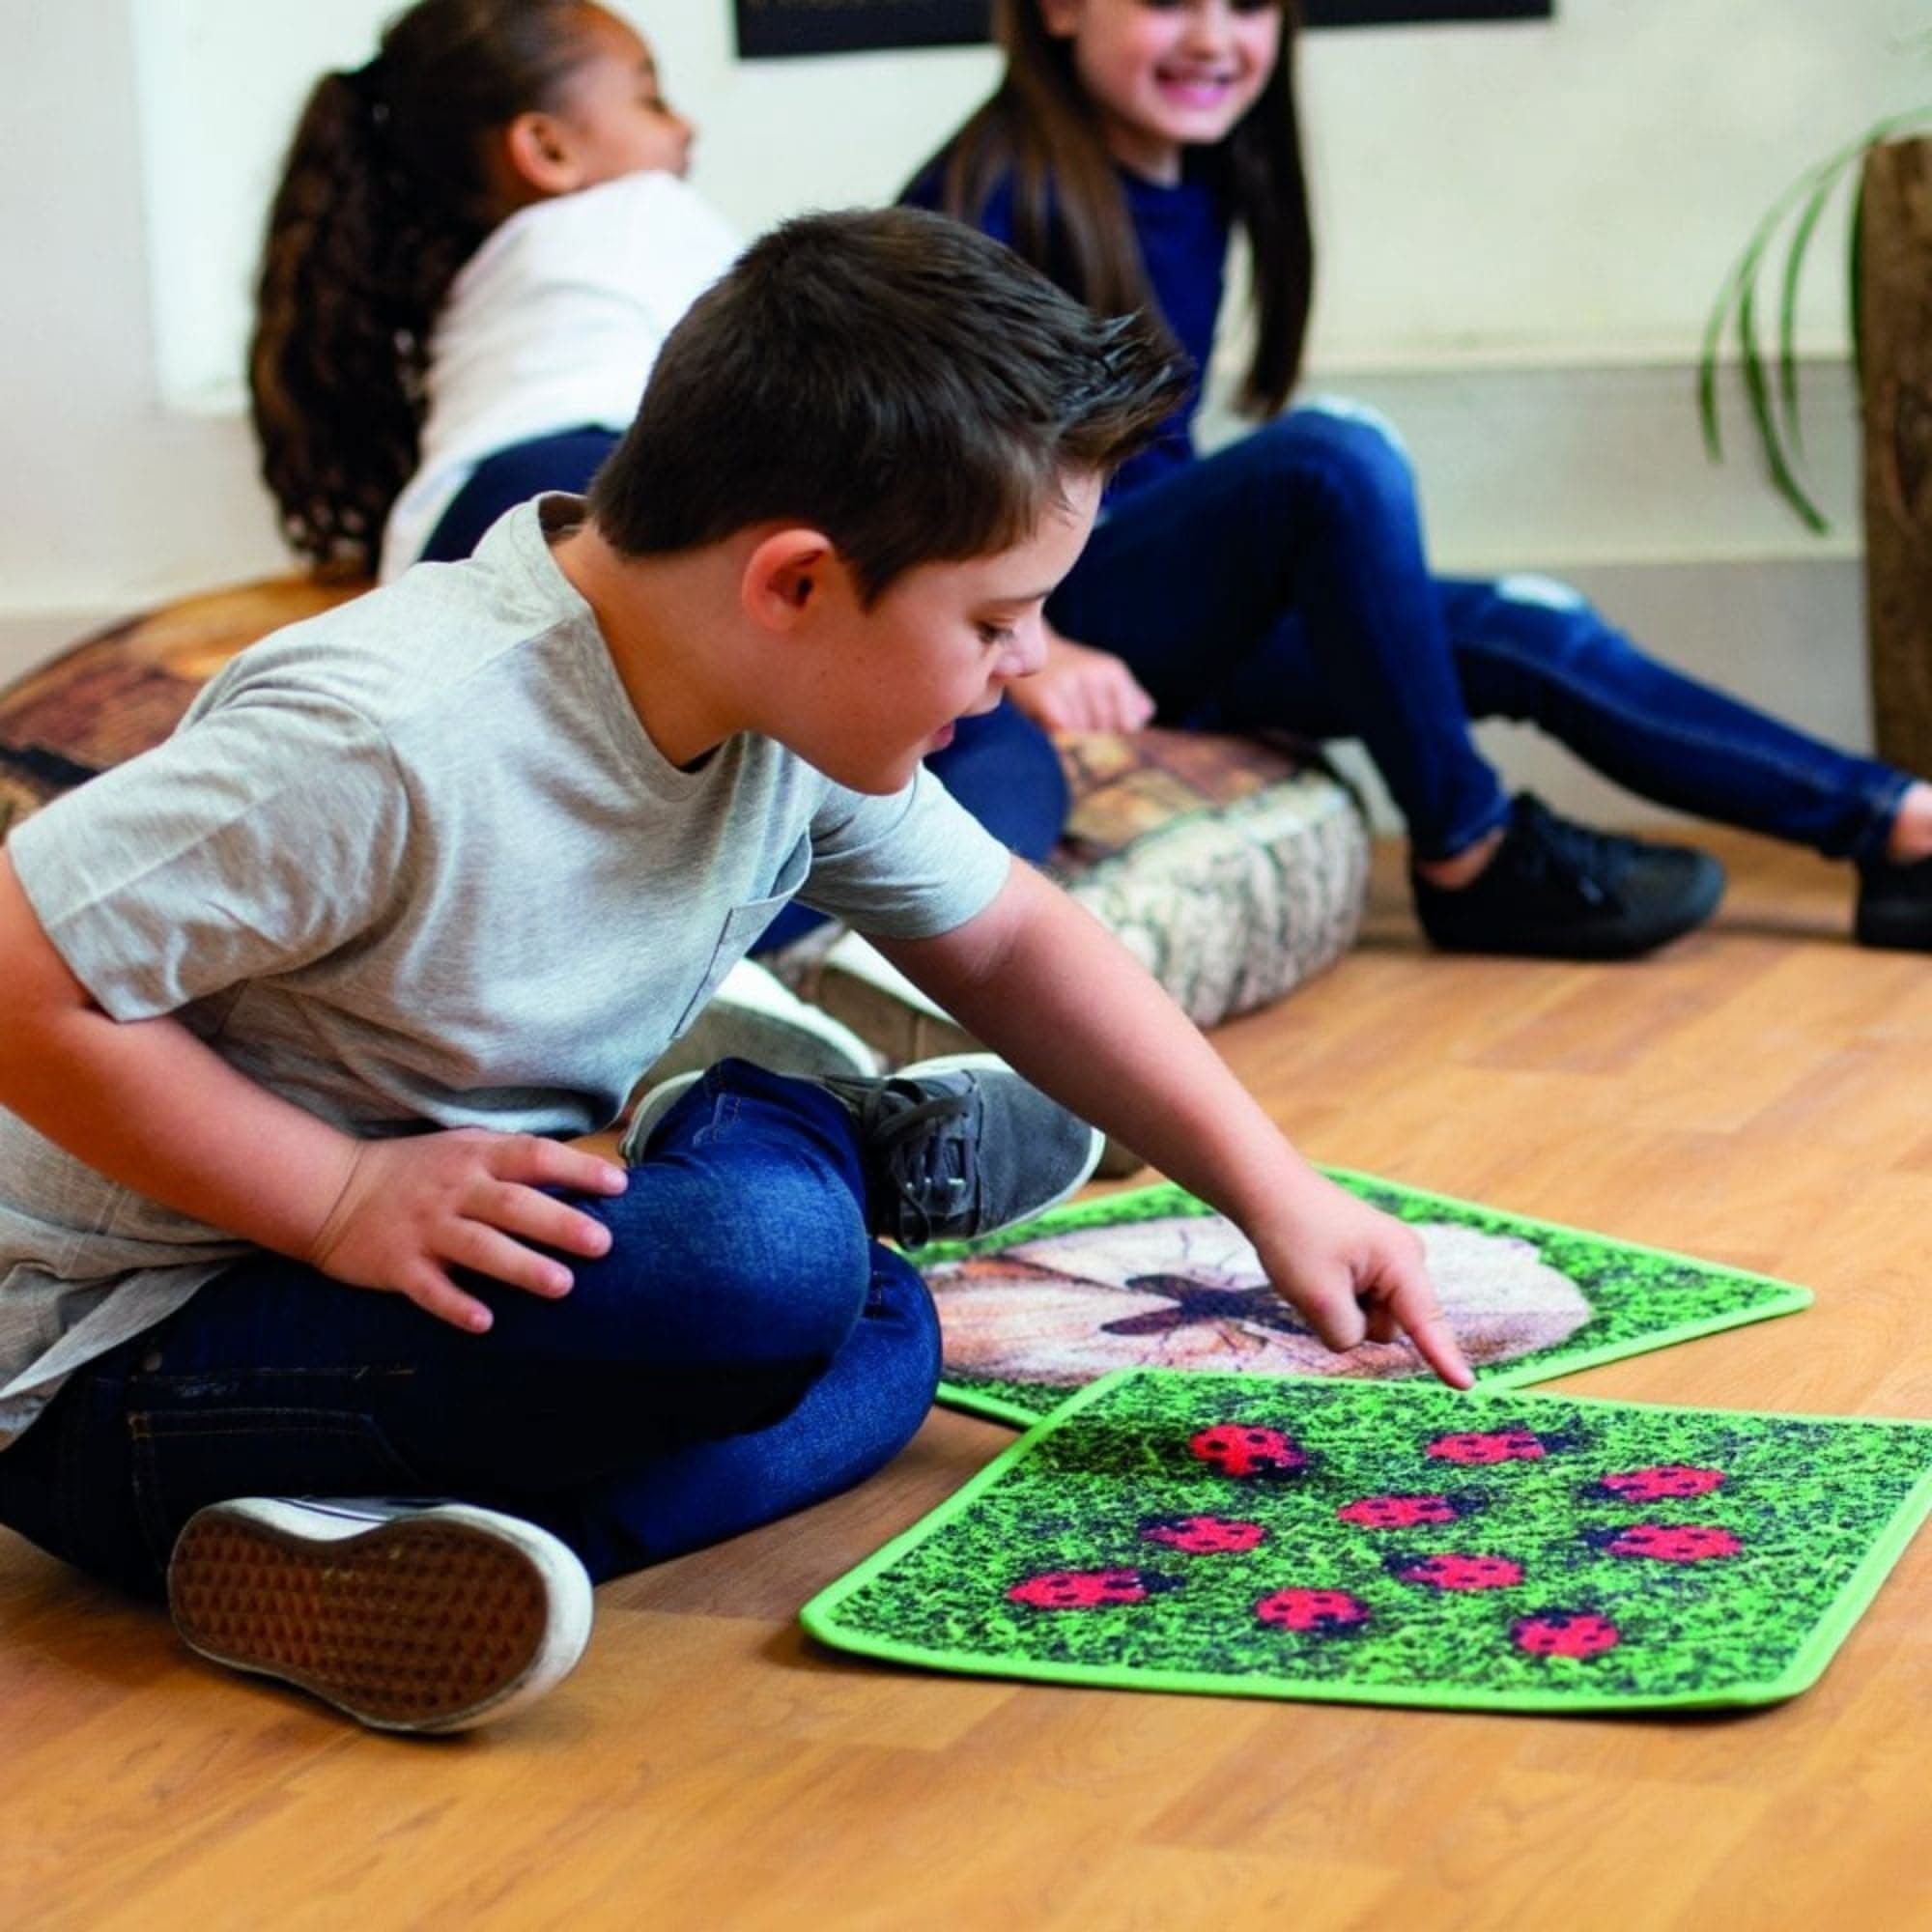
point(1736, 292)
point(1737, 299)
point(1787, 307)
point(1764, 419)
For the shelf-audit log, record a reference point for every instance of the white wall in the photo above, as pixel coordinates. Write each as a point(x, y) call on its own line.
point(1560, 192)
point(1520, 227)
point(106, 497)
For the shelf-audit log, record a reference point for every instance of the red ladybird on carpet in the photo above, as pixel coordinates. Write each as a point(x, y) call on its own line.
point(1237, 1449)
point(1452, 1570)
point(1204, 1535)
point(1658, 1482)
point(1565, 1633)
point(1403, 1512)
point(1322, 1612)
point(1496, 1445)
point(1088, 1589)
point(1668, 1542)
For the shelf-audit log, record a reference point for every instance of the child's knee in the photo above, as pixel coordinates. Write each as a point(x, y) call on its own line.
point(1359, 452)
point(776, 1273)
point(1542, 593)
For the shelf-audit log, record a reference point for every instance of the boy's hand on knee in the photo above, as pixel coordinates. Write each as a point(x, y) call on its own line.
point(412, 1210)
point(1356, 1274)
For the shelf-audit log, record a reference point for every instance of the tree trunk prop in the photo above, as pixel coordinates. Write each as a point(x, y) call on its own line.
point(1895, 356)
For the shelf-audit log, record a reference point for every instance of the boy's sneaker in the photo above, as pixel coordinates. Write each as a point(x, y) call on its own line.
point(951, 1147)
point(1554, 890)
point(1895, 906)
point(407, 1617)
point(754, 1015)
point(859, 984)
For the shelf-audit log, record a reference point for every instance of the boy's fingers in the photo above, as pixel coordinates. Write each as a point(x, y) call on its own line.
point(1337, 1319)
point(1413, 1303)
point(541, 1218)
point(435, 1294)
point(547, 1164)
point(484, 1251)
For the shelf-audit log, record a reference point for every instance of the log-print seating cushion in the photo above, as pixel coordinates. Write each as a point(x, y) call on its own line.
point(1232, 868)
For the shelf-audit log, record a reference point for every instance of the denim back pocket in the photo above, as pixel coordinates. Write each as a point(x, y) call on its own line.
point(742, 928)
point(206, 1438)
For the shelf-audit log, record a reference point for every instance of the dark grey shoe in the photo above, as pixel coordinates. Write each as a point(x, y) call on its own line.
point(1555, 890)
point(1895, 906)
point(960, 1146)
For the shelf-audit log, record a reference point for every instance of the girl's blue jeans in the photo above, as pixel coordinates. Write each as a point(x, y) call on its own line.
point(743, 1350)
point(1283, 583)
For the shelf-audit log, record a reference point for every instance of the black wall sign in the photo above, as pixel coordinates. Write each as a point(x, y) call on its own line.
point(768, 27)
point(843, 27)
point(1420, 13)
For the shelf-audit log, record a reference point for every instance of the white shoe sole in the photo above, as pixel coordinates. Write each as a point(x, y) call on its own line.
point(433, 1620)
point(648, 1111)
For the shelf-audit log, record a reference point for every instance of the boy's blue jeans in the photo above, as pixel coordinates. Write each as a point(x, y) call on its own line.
point(1283, 583)
point(743, 1350)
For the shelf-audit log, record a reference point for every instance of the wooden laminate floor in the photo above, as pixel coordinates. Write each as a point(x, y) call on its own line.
point(1761, 1095)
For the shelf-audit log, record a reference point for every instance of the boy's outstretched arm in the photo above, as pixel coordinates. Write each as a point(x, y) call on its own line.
point(149, 1105)
point(1047, 986)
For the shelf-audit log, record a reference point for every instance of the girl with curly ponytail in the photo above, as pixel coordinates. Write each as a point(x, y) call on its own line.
point(427, 303)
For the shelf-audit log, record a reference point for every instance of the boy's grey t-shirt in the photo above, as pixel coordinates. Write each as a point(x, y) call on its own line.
point(417, 861)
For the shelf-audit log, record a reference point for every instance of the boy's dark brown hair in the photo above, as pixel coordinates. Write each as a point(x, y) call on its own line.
point(891, 378)
point(383, 196)
point(1040, 133)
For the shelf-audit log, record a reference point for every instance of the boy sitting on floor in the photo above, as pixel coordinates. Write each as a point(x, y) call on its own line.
point(309, 999)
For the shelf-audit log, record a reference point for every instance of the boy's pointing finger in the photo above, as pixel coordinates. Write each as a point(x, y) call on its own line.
point(1413, 1304)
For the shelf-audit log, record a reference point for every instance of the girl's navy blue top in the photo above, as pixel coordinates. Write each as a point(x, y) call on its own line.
point(1182, 232)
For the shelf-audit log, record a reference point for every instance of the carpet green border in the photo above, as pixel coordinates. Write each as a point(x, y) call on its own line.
point(819, 1618)
point(1784, 1297)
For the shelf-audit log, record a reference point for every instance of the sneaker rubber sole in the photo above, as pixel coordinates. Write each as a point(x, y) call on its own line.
point(427, 1621)
point(1894, 907)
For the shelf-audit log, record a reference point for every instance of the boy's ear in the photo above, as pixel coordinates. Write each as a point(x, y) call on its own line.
point(541, 154)
point(786, 577)
point(1061, 17)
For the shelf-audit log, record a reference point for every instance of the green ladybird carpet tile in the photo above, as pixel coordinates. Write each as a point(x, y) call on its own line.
point(1399, 1544)
point(1155, 1278)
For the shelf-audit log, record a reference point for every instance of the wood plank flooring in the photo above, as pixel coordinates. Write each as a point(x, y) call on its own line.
point(1762, 1094)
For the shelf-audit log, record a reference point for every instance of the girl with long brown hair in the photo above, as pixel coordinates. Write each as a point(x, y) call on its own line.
point(1283, 582)
point(479, 241)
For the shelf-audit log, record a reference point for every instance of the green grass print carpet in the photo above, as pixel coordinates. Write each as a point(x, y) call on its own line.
point(1153, 1278)
point(1399, 1544)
